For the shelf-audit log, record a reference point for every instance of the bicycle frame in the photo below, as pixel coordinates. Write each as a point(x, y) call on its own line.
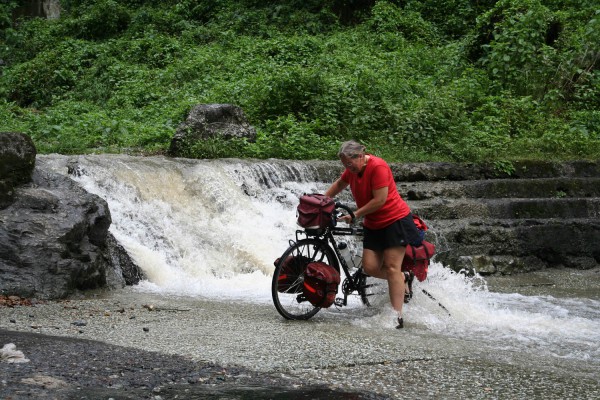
point(327, 236)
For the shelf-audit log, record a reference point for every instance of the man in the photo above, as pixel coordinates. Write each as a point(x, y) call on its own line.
point(388, 223)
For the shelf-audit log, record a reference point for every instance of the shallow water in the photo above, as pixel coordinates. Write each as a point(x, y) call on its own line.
point(208, 232)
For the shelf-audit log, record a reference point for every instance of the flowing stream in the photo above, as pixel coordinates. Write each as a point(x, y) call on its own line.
point(212, 229)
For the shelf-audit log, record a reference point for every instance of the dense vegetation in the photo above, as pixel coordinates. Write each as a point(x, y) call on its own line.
point(415, 80)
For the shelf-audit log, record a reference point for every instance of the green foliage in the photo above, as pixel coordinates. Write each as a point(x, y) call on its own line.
point(28, 39)
point(414, 80)
point(389, 18)
point(503, 167)
point(98, 19)
point(286, 137)
point(518, 57)
point(453, 17)
point(48, 76)
point(532, 50)
point(6, 9)
point(577, 74)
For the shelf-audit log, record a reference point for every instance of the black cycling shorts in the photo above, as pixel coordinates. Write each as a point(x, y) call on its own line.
point(399, 233)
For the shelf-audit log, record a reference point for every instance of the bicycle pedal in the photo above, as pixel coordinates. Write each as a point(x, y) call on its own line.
point(339, 302)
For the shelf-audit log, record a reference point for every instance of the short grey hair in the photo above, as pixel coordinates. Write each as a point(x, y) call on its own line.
point(351, 149)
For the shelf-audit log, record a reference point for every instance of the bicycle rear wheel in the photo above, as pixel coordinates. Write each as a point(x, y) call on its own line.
point(288, 277)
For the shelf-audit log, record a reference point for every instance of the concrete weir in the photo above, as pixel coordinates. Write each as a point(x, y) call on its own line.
point(534, 216)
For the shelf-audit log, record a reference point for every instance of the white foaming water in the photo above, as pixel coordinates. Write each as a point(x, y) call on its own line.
point(199, 228)
point(214, 228)
point(566, 328)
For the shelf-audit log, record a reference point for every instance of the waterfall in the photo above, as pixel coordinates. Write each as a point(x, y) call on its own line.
point(198, 227)
point(212, 229)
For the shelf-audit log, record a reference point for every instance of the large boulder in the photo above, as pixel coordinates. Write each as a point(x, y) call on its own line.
point(209, 121)
point(51, 239)
point(54, 237)
point(17, 160)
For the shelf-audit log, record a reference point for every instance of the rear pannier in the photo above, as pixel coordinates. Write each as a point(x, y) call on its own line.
point(417, 258)
point(320, 284)
point(292, 274)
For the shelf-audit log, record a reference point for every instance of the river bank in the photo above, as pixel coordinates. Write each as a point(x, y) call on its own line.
point(130, 344)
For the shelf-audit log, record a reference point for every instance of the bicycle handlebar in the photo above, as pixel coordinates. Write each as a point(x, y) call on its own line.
point(346, 208)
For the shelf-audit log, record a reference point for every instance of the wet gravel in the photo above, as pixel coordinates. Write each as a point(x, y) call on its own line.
point(131, 345)
point(68, 368)
point(66, 363)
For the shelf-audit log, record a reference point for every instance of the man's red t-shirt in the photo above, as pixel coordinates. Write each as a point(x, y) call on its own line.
point(376, 175)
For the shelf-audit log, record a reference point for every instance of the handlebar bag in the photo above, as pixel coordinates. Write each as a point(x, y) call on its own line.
point(417, 258)
point(289, 280)
point(315, 211)
point(320, 284)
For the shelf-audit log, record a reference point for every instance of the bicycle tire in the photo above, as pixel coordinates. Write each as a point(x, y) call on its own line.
point(287, 297)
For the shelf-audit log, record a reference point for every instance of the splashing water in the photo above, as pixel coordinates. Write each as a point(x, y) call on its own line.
point(214, 228)
point(566, 328)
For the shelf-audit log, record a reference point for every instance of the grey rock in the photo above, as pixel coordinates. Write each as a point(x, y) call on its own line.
point(17, 160)
point(543, 214)
point(208, 121)
point(123, 270)
point(54, 237)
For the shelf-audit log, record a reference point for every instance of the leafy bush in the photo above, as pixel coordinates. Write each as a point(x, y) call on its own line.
point(389, 18)
point(577, 71)
point(517, 56)
point(29, 38)
point(287, 137)
point(6, 9)
point(50, 75)
point(452, 17)
point(98, 19)
point(414, 80)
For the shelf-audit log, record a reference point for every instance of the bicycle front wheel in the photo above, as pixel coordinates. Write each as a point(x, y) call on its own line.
point(288, 278)
point(369, 289)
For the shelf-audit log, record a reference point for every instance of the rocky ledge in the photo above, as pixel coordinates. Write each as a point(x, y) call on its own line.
point(508, 218)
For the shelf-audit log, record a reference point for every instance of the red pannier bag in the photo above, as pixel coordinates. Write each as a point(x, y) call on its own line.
point(419, 223)
point(315, 211)
point(416, 259)
point(290, 277)
point(320, 284)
